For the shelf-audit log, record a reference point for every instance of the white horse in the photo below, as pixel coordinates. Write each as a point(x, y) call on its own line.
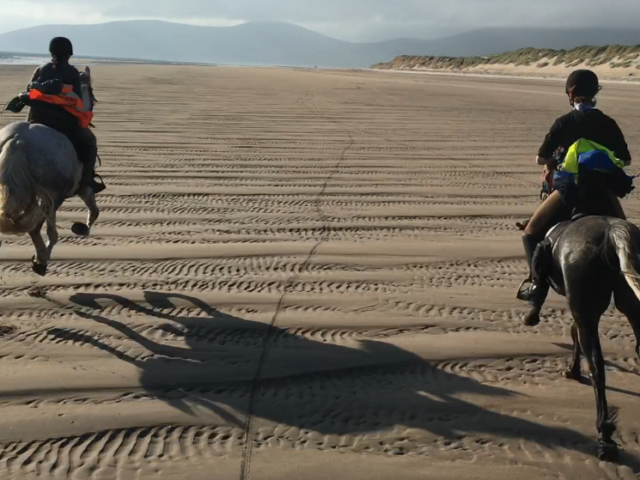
point(39, 170)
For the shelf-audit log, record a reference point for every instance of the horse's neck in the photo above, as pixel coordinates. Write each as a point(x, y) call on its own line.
point(85, 87)
point(87, 102)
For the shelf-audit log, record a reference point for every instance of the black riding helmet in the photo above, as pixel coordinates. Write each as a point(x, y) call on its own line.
point(583, 83)
point(61, 47)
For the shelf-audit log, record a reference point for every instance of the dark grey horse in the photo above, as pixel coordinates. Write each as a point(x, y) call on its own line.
point(39, 170)
point(589, 261)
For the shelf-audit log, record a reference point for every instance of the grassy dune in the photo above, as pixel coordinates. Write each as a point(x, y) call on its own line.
point(625, 59)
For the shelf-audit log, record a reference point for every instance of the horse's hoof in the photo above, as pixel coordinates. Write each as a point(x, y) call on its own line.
point(608, 452)
point(36, 292)
point(532, 318)
point(80, 229)
point(576, 377)
point(571, 375)
point(38, 268)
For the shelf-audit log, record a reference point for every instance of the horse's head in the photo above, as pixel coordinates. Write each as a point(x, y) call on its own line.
point(88, 100)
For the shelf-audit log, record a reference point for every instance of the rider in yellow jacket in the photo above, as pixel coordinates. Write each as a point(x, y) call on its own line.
point(595, 147)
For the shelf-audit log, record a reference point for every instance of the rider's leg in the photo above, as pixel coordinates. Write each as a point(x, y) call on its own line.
point(534, 233)
point(87, 148)
point(82, 139)
point(617, 206)
point(539, 222)
point(42, 116)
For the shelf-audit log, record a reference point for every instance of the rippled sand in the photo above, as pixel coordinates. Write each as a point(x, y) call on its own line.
point(304, 274)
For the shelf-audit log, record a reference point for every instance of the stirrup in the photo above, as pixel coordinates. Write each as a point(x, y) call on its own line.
point(98, 186)
point(97, 175)
point(523, 293)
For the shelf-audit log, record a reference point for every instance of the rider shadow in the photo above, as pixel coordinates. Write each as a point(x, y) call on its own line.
point(359, 387)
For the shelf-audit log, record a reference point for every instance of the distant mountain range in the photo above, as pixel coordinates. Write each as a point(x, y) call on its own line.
point(273, 43)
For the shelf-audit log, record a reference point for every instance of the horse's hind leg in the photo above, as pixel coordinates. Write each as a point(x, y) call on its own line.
point(574, 371)
point(40, 259)
point(590, 343)
point(89, 199)
point(629, 305)
point(589, 296)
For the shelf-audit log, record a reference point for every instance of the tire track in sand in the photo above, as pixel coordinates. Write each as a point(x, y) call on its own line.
point(256, 389)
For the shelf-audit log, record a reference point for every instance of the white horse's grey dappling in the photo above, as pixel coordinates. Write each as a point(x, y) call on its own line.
point(39, 170)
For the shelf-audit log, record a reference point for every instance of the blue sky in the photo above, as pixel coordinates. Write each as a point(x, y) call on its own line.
point(356, 20)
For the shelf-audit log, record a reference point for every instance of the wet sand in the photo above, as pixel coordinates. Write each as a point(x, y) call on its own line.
point(304, 274)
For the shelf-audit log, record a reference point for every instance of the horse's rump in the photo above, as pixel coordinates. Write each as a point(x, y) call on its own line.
point(601, 247)
point(22, 202)
point(584, 236)
point(624, 239)
point(36, 163)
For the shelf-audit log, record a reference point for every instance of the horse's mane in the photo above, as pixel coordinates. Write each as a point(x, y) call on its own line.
point(87, 88)
point(85, 76)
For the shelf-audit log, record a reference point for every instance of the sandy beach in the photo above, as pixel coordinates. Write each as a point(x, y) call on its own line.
point(304, 274)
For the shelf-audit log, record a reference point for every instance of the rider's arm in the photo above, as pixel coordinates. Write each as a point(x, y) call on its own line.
point(550, 144)
point(35, 75)
point(72, 77)
point(619, 144)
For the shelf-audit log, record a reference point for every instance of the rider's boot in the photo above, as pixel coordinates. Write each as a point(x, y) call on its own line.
point(538, 289)
point(89, 174)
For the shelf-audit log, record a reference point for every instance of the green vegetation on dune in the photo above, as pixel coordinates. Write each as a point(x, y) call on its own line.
point(617, 56)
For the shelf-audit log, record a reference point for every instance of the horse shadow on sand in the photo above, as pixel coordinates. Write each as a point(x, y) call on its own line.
point(306, 381)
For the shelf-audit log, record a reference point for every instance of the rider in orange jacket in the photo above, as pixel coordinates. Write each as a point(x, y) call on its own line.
point(55, 99)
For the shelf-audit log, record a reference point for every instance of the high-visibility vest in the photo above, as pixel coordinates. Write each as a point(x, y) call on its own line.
point(68, 100)
point(588, 153)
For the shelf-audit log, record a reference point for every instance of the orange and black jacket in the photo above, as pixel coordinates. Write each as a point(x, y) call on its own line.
point(59, 87)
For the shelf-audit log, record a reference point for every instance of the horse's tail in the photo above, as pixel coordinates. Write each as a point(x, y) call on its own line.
point(622, 235)
point(23, 202)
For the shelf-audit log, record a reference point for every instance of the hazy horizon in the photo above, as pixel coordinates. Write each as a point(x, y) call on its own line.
point(433, 34)
point(351, 20)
